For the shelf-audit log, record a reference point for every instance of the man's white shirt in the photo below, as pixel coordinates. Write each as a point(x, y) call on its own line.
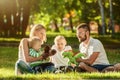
point(94, 45)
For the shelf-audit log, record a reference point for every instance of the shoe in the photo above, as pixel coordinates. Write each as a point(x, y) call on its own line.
point(58, 71)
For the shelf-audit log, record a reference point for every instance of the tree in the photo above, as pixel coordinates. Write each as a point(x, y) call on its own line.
point(111, 17)
point(102, 16)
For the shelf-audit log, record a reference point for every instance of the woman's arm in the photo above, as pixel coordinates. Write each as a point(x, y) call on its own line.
point(25, 51)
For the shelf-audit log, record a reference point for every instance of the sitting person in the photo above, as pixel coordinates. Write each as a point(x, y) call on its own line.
point(35, 47)
point(35, 51)
point(22, 65)
point(60, 46)
point(96, 58)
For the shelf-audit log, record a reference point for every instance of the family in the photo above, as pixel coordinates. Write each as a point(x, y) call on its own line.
point(30, 51)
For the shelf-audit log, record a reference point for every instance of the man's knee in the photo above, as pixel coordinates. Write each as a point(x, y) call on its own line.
point(117, 66)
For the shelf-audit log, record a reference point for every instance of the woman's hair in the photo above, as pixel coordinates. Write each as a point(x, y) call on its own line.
point(36, 28)
point(59, 38)
point(33, 41)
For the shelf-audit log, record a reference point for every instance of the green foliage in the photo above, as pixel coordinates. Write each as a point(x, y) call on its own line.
point(72, 59)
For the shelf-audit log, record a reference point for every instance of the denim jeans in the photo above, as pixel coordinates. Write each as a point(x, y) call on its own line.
point(22, 67)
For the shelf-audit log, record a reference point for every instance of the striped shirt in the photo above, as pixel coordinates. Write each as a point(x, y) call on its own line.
point(34, 53)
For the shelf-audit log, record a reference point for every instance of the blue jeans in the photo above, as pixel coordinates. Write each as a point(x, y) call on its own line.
point(44, 67)
point(25, 68)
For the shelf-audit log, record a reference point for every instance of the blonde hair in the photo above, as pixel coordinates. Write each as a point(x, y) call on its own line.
point(36, 28)
point(59, 38)
point(34, 40)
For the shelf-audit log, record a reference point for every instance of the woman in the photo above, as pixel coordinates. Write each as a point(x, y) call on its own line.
point(22, 65)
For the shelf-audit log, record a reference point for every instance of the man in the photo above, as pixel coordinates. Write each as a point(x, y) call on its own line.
point(95, 56)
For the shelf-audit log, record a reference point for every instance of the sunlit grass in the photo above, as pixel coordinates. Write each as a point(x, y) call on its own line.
point(9, 55)
point(9, 39)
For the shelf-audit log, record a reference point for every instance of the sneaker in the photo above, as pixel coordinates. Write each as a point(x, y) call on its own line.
point(58, 71)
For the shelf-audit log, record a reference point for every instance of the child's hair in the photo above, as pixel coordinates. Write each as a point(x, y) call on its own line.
point(34, 40)
point(59, 38)
point(36, 27)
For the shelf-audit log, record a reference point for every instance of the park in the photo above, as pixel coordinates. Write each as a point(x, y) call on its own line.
point(59, 17)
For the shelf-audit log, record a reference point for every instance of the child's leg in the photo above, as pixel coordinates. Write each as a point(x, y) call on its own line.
point(49, 67)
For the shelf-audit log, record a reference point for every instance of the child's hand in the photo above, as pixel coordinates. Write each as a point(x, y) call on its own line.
point(73, 65)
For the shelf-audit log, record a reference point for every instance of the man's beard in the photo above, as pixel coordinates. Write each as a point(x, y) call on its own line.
point(83, 39)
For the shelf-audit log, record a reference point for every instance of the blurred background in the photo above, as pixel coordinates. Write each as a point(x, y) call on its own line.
point(59, 17)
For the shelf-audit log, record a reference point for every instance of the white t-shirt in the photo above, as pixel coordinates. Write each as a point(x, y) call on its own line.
point(58, 59)
point(94, 45)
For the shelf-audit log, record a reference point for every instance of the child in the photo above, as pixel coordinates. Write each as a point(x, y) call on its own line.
point(35, 47)
point(60, 45)
point(35, 51)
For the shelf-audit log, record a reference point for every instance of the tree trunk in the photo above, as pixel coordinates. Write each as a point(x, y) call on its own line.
point(102, 16)
point(111, 17)
point(24, 6)
point(71, 24)
point(56, 26)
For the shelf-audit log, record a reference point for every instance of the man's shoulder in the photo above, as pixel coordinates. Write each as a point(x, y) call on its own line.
point(94, 40)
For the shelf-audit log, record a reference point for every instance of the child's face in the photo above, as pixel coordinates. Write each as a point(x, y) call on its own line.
point(37, 45)
point(60, 44)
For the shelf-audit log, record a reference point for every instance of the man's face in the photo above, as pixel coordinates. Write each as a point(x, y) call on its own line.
point(81, 34)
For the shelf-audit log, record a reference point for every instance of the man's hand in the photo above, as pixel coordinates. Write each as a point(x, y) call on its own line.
point(78, 60)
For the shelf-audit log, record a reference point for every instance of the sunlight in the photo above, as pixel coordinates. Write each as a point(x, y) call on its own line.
point(4, 72)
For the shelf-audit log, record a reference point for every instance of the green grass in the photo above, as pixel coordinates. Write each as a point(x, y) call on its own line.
point(9, 55)
point(70, 37)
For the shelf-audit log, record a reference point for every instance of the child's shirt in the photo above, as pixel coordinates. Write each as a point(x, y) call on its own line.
point(34, 53)
point(58, 59)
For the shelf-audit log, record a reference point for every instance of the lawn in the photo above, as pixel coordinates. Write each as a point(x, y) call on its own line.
point(9, 55)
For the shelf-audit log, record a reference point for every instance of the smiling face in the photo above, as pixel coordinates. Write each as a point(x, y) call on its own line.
point(81, 34)
point(41, 34)
point(39, 31)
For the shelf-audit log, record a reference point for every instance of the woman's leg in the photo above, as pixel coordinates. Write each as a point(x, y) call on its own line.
point(17, 71)
point(21, 67)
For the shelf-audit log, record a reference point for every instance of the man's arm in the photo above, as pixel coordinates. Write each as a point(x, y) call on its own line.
point(90, 60)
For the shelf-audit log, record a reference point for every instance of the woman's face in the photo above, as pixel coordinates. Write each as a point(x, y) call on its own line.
point(41, 34)
point(60, 44)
